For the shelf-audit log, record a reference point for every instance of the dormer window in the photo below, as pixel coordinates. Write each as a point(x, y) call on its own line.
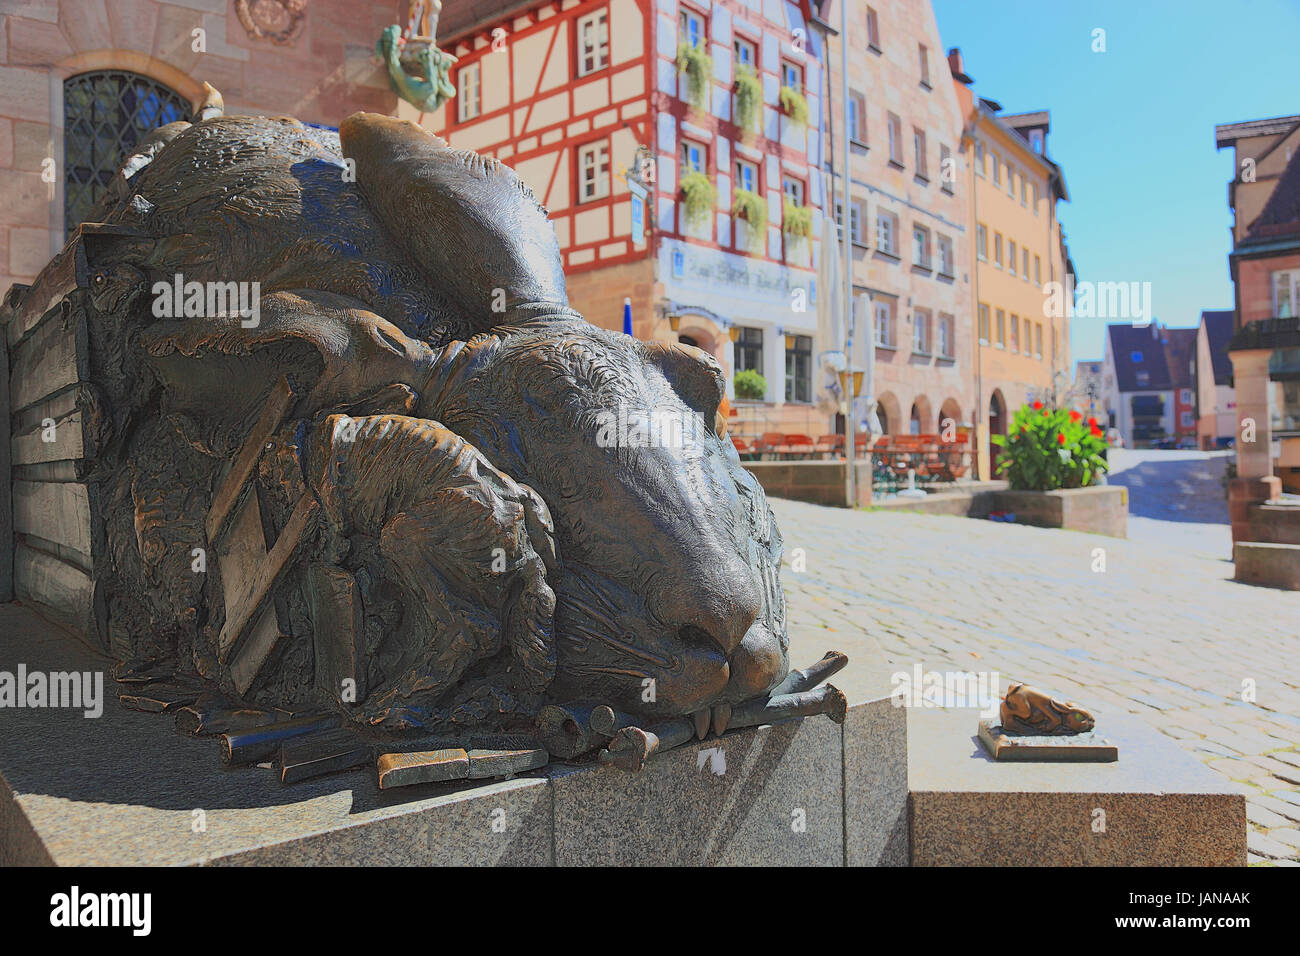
point(1036, 140)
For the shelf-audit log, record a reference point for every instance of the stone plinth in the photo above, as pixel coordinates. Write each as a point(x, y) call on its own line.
point(1266, 563)
point(1100, 509)
point(1155, 806)
point(125, 788)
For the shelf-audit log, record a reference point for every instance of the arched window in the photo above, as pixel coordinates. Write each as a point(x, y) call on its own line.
point(106, 114)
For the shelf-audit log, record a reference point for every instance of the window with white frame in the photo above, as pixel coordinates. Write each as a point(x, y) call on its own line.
point(746, 176)
point(1038, 271)
point(984, 323)
point(873, 28)
point(884, 321)
point(593, 42)
point(921, 331)
point(982, 242)
point(469, 100)
point(1286, 293)
point(745, 53)
point(979, 159)
point(691, 25)
point(792, 189)
point(997, 169)
point(1038, 340)
point(997, 249)
point(1185, 396)
point(921, 247)
point(1011, 257)
point(1024, 190)
point(887, 232)
point(918, 146)
point(945, 335)
point(857, 118)
point(1015, 332)
point(694, 157)
point(1187, 419)
point(1002, 329)
point(792, 76)
point(945, 255)
point(895, 139)
point(1011, 181)
point(1024, 263)
point(1033, 189)
point(855, 219)
point(923, 55)
point(593, 171)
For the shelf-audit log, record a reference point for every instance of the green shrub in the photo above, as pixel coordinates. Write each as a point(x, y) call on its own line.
point(796, 221)
point(752, 208)
point(750, 385)
point(699, 196)
point(1049, 448)
point(696, 63)
point(795, 105)
point(749, 98)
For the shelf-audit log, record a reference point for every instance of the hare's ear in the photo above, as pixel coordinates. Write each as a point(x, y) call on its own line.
point(693, 373)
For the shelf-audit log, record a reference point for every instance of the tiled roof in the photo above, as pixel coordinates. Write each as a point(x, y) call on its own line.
point(1281, 214)
point(1218, 330)
point(1228, 133)
point(1127, 343)
point(465, 16)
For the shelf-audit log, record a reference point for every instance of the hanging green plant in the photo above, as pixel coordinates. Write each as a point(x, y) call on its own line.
point(752, 208)
point(797, 221)
point(795, 105)
point(749, 98)
point(699, 197)
point(698, 67)
point(750, 385)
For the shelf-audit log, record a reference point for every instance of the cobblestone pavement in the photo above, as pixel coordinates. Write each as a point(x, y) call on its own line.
point(1162, 632)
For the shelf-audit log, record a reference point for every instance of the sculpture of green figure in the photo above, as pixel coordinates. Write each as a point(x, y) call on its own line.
point(426, 92)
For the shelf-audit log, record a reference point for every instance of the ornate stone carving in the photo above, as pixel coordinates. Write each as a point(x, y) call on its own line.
point(280, 21)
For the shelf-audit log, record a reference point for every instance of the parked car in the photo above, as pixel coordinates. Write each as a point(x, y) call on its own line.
point(1165, 442)
point(1225, 441)
point(1187, 443)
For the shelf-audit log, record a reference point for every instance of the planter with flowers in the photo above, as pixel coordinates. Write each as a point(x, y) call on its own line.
point(1054, 460)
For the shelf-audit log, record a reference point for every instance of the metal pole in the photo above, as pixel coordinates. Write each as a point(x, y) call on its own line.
point(850, 431)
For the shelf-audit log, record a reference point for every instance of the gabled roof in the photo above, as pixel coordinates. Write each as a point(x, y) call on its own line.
point(1218, 332)
point(1126, 341)
point(1180, 354)
point(1281, 214)
point(1228, 133)
point(460, 17)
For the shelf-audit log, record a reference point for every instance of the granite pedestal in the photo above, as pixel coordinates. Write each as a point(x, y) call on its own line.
point(126, 788)
point(1155, 806)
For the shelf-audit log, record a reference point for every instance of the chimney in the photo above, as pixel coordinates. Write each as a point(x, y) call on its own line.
point(954, 61)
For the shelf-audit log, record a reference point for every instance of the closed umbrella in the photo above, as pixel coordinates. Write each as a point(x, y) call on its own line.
point(627, 316)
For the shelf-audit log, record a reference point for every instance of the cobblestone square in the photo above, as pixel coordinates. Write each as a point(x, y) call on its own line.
point(1163, 632)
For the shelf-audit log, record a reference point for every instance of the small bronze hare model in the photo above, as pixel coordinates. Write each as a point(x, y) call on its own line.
point(388, 457)
point(1028, 711)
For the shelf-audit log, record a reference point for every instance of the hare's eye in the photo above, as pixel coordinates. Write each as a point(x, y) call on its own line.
point(100, 279)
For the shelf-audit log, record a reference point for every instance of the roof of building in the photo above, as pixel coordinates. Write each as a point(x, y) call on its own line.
point(1180, 356)
point(1228, 133)
point(1281, 214)
point(460, 17)
point(1030, 120)
point(1138, 349)
point(1218, 332)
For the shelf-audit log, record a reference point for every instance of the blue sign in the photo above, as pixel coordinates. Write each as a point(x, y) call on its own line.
point(638, 220)
point(679, 264)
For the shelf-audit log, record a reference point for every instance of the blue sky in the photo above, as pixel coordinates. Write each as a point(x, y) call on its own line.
point(1133, 128)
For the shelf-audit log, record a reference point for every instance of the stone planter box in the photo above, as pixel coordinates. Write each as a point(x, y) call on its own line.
point(1101, 509)
point(816, 482)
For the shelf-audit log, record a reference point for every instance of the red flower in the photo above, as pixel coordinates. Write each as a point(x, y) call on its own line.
point(1096, 432)
point(1037, 405)
point(1060, 438)
point(1092, 423)
point(1045, 412)
point(1075, 416)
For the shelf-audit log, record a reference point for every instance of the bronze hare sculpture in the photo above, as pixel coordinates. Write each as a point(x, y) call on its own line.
point(388, 467)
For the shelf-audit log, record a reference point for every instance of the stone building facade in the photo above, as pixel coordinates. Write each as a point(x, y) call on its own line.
point(81, 78)
point(909, 216)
